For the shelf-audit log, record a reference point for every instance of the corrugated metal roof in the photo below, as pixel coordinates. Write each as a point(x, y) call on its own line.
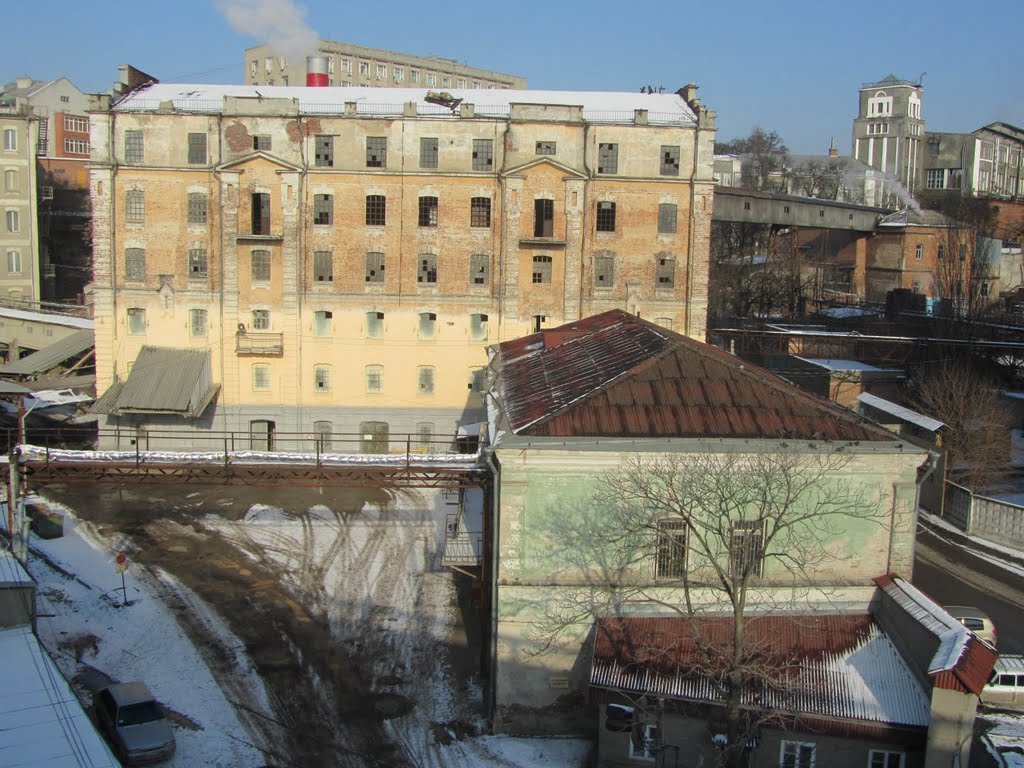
point(615, 375)
point(162, 380)
point(50, 357)
point(824, 665)
point(900, 412)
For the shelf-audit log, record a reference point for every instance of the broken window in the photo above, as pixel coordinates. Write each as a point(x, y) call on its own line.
point(376, 210)
point(197, 208)
point(478, 327)
point(545, 148)
point(666, 271)
point(261, 142)
point(323, 322)
point(374, 325)
point(323, 266)
point(428, 212)
point(605, 216)
point(667, 218)
point(543, 218)
point(425, 380)
point(541, 269)
point(480, 212)
point(136, 320)
point(261, 319)
point(428, 152)
point(477, 380)
point(374, 267)
point(669, 160)
point(376, 151)
point(607, 158)
point(322, 378)
point(604, 271)
point(324, 154)
point(427, 273)
point(483, 154)
point(479, 267)
point(323, 209)
point(428, 325)
point(197, 264)
point(197, 322)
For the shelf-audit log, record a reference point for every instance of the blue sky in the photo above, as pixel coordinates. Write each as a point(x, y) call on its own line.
point(790, 66)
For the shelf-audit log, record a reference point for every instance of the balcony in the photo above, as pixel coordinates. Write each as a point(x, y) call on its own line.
point(542, 242)
point(259, 343)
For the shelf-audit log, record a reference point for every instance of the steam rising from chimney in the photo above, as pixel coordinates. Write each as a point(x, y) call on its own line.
point(278, 23)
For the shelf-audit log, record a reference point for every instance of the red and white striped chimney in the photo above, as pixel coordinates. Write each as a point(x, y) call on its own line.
point(316, 71)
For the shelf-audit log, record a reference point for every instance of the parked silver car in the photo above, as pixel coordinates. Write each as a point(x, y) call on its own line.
point(975, 620)
point(132, 720)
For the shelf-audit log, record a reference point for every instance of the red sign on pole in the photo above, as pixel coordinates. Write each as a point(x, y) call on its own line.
point(121, 562)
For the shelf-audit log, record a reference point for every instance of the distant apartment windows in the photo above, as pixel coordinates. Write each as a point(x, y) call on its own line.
point(877, 128)
point(425, 380)
point(942, 251)
point(545, 148)
point(253, 65)
point(10, 140)
point(374, 267)
point(330, 65)
point(462, 82)
point(665, 271)
point(669, 160)
point(261, 142)
point(323, 210)
point(14, 262)
point(323, 151)
point(670, 549)
point(198, 266)
point(446, 81)
point(480, 212)
point(398, 73)
point(261, 319)
point(198, 324)
point(376, 210)
point(382, 71)
point(483, 154)
point(323, 322)
point(13, 220)
point(364, 68)
point(374, 325)
point(543, 218)
point(322, 431)
point(431, 80)
point(427, 272)
point(915, 130)
point(373, 375)
point(607, 158)
point(878, 758)
point(936, 178)
point(135, 264)
point(323, 266)
point(197, 208)
point(880, 105)
point(796, 754)
point(260, 210)
point(604, 271)
point(76, 123)
point(376, 151)
point(260, 377)
point(414, 76)
point(477, 327)
point(76, 147)
point(428, 211)
point(134, 149)
point(136, 321)
point(197, 149)
point(427, 325)
point(987, 150)
point(605, 216)
point(428, 152)
point(746, 548)
point(477, 381)
point(919, 251)
point(479, 267)
point(664, 322)
point(667, 218)
point(541, 270)
point(268, 64)
point(11, 181)
point(259, 269)
point(345, 65)
point(322, 378)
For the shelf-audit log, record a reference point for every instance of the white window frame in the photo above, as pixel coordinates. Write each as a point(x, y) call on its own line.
point(645, 754)
point(13, 221)
point(887, 753)
point(260, 377)
point(10, 140)
point(14, 262)
point(792, 749)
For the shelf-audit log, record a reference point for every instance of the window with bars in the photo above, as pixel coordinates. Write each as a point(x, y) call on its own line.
point(259, 269)
point(322, 378)
point(428, 211)
point(543, 218)
point(427, 272)
point(376, 151)
point(480, 212)
point(322, 431)
point(541, 270)
point(197, 322)
point(261, 319)
point(324, 151)
point(483, 154)
point(374, 267)
point(135, 264)
point(261, 142)
point(478, 326)
point(374, 325)
point(260, 377)
point(545, 148)
point(323, 210)
point(374, 377)
point(197, 149)
point(479, 268)
point(667, 213)
point(135, 206)
point(665, 272)
point(323, 266)
point(136, 320)
point(376, 210)
point(428, 152)
point(197, 208)
point(669, 160)
point(323, 322)
point(604, 271)
point(428, 325)
point(425, 436)
point(605, 216)
point(425, 380)
point(198, 264)
point(670, 549)
point(134, 149)
point(746, 548)
point(607, 158)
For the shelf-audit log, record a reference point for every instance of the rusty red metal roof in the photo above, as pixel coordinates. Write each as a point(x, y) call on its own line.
point(616, 375)
point(839, 666)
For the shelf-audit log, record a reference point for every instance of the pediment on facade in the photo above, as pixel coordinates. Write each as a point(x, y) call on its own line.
point(541, 165)
point(258, 159)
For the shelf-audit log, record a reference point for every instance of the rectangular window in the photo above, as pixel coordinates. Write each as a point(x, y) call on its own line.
point(374, 325)
point(136, 320)
point(604, 271)
point(483, 154)
point(796, 754)
point(260, 378)
point(607, 158)
point(323, 322)
point(669, 160)
point(260, 267)
point(431, 80)
point(480, 212)
point(324, 152)
point(428, 325)
point(425, 380)
point(374, 267)
point(261, 213)
point(478, 327)
point(322, 431)
point(323, 266)
point(425, 436)
point(382, 71)
point(414, 75)
point(479, 267)
point(322, 378)
point(197, 149)
point(376, 152)
point(13, 221)
point(644, 748)
point(477, 381)
point(135, 264)
point(76, 147)
point(323, 209)
point(427, 273)
point(398, 73)
point(10, 140)
point(76, 124)
point(543, 218)
point(446, 81)
point(14, 262)
point(428, 152)
point(376, 210)
point(670, 553)
point(197, 322)
point(261, 319)
point(135, 206)
point(261, 142)
point(11, 181)
point(374, 376)
point(197, 264)
point(428, 211)
point(667, 218)
point(605, 216)
point(133, 147)
point(879, 758)
point(545, 148)
point(196, 208)
point(985, 288)
point(941, 252)
point(919, 251)
point(541, 270)
point(746, 548)
point(936, 178)
point(666, 272)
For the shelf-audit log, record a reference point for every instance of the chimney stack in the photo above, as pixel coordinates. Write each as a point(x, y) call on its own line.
point(316, 72)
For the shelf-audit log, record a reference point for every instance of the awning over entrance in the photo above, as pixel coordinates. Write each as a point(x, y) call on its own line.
point(162, 381)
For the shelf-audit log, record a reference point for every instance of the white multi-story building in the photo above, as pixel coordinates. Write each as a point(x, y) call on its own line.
point(889, 129)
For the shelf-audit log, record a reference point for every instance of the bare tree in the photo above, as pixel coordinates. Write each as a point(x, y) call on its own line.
point(764, 157)
point(963, 271)
point(819, 179)
point(727, 534)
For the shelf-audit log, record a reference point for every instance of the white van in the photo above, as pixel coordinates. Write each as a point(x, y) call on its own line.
point(1005, 689)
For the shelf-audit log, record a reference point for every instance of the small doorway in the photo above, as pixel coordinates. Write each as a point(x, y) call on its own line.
point(261, 435)
point(374, 436)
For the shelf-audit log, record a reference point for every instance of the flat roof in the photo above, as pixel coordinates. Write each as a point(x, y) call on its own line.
point(900, 412)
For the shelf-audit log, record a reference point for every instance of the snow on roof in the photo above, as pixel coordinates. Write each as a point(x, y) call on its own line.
point(43, 723)
point(841, 365)
point(11, 571)
point(900, 412)
point(598, 106)
point(47, 317)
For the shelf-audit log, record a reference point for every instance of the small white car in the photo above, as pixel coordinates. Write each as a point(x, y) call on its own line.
point(1005, 689)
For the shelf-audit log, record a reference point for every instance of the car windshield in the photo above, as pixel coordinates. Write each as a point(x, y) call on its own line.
point(136, 714)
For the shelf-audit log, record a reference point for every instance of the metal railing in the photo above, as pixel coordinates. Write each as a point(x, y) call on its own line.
point(259, 343)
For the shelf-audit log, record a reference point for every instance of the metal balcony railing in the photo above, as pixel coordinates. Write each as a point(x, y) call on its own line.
point(259, 343)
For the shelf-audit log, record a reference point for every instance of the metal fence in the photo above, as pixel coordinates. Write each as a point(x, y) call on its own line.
point(999, 521)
